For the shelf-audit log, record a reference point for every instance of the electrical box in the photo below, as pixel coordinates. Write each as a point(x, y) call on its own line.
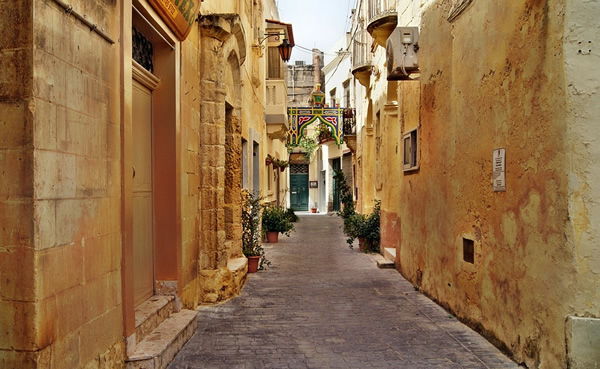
point(402, 48)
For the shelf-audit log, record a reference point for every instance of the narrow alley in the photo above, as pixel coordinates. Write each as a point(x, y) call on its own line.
point(323, 305)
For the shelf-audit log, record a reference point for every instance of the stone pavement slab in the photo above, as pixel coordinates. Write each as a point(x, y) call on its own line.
point(324, 305)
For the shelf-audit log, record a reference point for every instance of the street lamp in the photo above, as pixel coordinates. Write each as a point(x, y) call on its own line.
point(285, 48)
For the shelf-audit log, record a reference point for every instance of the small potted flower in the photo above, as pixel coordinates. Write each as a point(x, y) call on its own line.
point(274, 221)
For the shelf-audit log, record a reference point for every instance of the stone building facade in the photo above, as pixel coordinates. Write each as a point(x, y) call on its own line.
point(509, 91)
point(302, 79)
point(120, 177)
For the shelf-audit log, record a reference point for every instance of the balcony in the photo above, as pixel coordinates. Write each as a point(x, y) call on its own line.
point(276, 109)
point(383, 19)
point(361, 57)
point(349, 129)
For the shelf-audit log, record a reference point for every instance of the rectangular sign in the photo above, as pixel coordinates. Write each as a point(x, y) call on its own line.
point(499, 175)
point(179, 15)
point(314, 184)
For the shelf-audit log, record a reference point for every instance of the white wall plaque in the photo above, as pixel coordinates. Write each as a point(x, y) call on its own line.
point(499, 174)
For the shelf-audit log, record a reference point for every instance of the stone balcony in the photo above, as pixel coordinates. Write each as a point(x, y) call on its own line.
point(361, 57)
point(383, 18)
point(276, 109)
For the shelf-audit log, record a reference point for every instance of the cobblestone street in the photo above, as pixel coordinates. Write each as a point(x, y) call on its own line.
point(324, 305)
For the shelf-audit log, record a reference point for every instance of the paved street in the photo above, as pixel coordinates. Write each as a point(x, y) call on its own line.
point(323, 305)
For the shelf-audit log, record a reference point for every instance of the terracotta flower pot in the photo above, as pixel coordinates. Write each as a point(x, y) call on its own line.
point(313, 210)
point(253, 263)
point(272, 237)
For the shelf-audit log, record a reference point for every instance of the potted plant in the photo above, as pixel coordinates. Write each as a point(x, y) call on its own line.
point(313, 207)
point(251, 245)
point(281, 164)
point(364, 227)
point(354, 227)
point(274, 221)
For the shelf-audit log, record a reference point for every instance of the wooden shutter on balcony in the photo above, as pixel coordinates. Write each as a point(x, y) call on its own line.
point(274, 64)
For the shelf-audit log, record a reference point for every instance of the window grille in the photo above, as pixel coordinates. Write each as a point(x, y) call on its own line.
point(142, 50)
point(299, 168)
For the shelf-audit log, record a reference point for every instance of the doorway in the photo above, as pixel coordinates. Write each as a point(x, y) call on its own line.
point(336, 165)
point(299, 187)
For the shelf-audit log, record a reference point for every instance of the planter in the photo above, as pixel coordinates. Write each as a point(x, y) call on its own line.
point(253, 263)
point(272, 237)
point(362, 245)
point(313, 210)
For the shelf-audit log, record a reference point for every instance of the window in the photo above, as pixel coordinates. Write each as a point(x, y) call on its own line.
point(347, 94)
point(410, 142)
point(332, 99)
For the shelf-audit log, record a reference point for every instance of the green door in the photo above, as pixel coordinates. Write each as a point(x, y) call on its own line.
point(299, 191)
point(336, 164)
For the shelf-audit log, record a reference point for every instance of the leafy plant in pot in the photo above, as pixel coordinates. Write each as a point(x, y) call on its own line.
point(275, 220)
point(251, 243)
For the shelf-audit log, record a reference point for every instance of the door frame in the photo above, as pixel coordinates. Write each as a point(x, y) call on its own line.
point(166, 150)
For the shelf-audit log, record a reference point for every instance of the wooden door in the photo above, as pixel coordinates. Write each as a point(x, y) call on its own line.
point(143, 230)
point(299, 187)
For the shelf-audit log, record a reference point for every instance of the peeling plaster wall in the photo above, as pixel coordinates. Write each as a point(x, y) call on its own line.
point(583, 111)
point(496, 78)
point(581, 41)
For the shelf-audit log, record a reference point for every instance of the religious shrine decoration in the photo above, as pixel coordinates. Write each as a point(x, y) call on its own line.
point(302, 117)
point(317, 97)
point(179, 15)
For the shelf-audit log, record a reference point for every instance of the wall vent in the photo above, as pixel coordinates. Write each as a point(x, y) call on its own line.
point(468, 250)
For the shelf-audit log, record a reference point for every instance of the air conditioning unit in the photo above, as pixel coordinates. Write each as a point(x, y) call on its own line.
point(401, 48)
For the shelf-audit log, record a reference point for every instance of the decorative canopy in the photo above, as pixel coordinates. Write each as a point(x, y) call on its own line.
point(302, 117)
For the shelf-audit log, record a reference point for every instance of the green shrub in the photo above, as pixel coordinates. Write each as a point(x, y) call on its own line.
point(291, 215)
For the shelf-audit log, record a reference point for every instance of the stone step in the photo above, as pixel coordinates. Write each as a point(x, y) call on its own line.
point(385, 264)
point(389, 253)
point(159, 347)
point(151, 313)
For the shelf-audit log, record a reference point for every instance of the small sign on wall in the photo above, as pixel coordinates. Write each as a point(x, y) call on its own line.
point(314, 184)
point(499, 175)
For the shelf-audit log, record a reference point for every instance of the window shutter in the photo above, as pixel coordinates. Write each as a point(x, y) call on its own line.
point(274, 64)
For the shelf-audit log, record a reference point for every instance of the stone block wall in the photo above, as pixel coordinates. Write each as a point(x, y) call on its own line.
point(61, 178)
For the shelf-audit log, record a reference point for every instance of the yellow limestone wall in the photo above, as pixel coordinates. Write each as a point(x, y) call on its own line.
point(501, 77)
point(60, 299)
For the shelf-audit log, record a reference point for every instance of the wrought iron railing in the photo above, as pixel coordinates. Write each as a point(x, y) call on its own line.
point(381, 8)
point(361, 50)
point(349, 126)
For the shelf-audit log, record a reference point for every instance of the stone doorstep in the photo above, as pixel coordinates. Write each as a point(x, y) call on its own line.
point(389, 253)
point(159, 348)
point(151, 313)
point(382, 263)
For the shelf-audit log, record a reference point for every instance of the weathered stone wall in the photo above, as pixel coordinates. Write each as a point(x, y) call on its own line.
point(493, 78)
point(191, 168)
point(61, 230)
point(300, 82)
